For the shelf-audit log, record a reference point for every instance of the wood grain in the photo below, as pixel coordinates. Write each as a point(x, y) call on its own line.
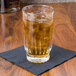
point(11, 36)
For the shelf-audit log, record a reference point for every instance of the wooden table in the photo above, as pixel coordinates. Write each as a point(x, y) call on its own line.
point(11, 36)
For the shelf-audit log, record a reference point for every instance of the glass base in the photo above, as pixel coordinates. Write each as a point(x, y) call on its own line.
point(11, 10)
point(37, 59)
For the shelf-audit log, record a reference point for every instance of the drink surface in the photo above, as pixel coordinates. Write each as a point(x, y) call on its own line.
point(38, 37)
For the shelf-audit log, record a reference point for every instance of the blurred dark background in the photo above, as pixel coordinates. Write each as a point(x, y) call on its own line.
point(47, 1)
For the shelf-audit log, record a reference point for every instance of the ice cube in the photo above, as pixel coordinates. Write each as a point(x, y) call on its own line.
point(30, 16)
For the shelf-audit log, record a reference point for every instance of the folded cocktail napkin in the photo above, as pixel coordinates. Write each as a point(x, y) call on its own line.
point(58, 55)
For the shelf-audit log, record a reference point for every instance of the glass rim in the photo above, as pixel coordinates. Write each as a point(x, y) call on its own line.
point(42, 5)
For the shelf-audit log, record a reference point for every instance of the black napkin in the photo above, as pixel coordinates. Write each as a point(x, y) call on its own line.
point(18, 56)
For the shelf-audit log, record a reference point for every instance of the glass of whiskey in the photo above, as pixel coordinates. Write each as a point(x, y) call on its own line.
point(38, 32)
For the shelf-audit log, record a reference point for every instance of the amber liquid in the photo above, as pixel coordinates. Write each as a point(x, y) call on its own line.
point(38, 37)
